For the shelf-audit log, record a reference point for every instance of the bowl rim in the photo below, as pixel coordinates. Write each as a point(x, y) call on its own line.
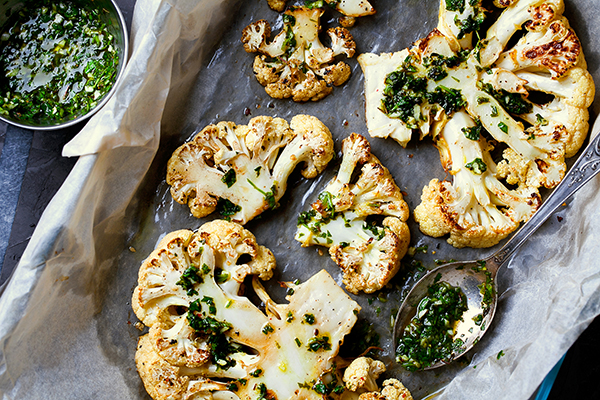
point(107, 96)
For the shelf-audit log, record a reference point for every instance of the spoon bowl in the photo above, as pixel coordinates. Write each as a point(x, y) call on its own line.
point(477, 279)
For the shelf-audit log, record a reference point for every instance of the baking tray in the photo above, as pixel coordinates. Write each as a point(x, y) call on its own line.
point(65, 315)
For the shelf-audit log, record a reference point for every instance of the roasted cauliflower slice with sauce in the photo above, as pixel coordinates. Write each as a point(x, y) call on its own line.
point(476, 209)
point(529, 101)
point(208, 340)
point(368, 252)
point(295, 63)
point(242, 170)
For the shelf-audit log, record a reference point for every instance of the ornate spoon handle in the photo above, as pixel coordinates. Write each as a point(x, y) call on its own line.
point(584, 169)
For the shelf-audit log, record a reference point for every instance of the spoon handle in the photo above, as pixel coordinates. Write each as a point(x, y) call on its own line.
point(584, 169)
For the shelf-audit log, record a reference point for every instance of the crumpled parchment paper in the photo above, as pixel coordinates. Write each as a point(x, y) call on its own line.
point(66, 325)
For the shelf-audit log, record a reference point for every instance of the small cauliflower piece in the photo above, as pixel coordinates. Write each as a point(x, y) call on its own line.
point(242, 170)
point(295, 63)
point(368, 252)
point(392, 389)
point(362, 374)
point(476, 209)
point(207, 339)
point(277, 5)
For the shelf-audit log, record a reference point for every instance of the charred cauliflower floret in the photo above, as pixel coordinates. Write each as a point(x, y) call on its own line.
point(368, 251)
point(242, 170)
point(207, 338)
point(362, 373)
point(277, 5)
point(295, 63)
point(476, 209)
point(530, 100)
point(392, 389)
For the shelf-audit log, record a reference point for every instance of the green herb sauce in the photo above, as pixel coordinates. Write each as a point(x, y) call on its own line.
point(59, 60)
point(429, 337)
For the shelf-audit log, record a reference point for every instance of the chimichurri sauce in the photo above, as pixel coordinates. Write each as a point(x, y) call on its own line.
point(429, 337)
point(58, 61)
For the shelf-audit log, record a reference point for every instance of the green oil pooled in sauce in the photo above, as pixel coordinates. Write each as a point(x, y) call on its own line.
point(429, 337)
point(58, 61)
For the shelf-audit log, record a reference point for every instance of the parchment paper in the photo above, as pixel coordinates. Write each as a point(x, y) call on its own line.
point(66, 325)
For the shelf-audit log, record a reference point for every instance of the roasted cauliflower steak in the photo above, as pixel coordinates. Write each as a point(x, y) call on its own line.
point(521, 88)
point(242, 170)
point(206, 339)
point(295, 63)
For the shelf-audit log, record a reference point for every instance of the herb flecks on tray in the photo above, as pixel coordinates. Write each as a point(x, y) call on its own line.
point(59, 60)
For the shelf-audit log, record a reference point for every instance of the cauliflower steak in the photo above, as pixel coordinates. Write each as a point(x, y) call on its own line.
point(350, 8)
point(295, 63)
point(242, 170)
point(367, 251)
point(207, 339)
point(473, 93)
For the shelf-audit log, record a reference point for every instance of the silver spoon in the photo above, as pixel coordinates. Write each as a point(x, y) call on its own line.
point(470, 275)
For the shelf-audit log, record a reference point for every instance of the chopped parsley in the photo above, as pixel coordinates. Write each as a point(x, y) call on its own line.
point(477, 166)
point(450, 99)
point(514, 103)
point(189, 276)
point(229, 177)
point(220, 345)
point(326, 199)
point(267, 329)
point(473, 132)
point(226, 208)
point(317, 343)
point(59, 61)
point(309, 319)
point(455, 5)
point(503, 127)
point(211, 304)
point(269, 196)
point(289, 317)
point(256, 373)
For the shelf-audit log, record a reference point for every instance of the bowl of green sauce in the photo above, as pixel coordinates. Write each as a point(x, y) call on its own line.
point(60, 61)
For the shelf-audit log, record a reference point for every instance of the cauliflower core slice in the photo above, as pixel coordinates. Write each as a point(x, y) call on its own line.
point(207, 339)
point(242, 170)
point(295, 63)
point(532, 99)
point(362, 373)
point(368, 252)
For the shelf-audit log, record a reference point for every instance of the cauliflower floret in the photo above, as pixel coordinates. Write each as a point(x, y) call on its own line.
point(277, 5)
point(296, 64)
point(368, 252)
point(206, 337)
point(362, 374)
point(476, 209)
point(533, 102)
point(242, 170)
point(392, 389)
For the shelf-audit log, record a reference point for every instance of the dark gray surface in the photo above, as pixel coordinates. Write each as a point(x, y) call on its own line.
point(32, 170)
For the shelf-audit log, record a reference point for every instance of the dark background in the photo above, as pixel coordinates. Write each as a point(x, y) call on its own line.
point(32, 169)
